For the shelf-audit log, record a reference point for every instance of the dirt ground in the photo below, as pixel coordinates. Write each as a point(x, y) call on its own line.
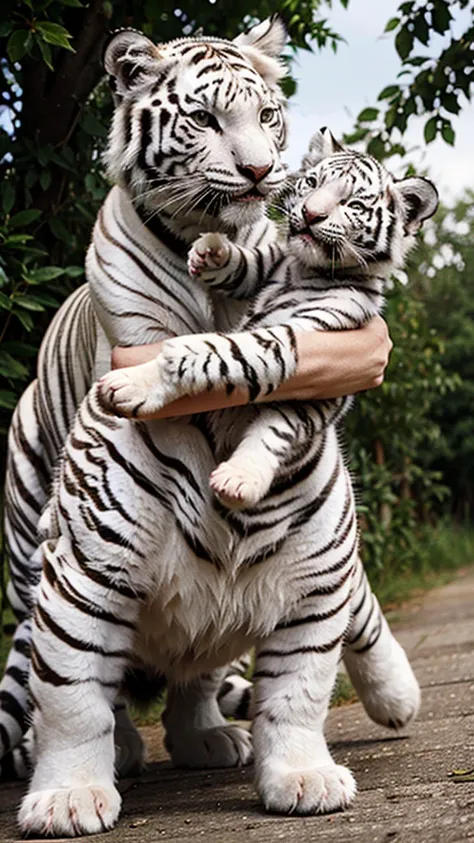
point(405, 791)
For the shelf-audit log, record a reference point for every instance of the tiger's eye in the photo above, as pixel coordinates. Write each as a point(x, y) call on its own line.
point(266, 115)
point(201, 118)
point(311, 181)
point(356, 206)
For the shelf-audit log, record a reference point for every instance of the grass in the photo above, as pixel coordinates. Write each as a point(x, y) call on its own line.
point(443, 551)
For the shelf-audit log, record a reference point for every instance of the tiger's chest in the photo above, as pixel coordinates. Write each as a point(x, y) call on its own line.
point(204, 617)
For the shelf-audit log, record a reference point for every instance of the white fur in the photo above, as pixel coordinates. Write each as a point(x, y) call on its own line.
point(188, 589)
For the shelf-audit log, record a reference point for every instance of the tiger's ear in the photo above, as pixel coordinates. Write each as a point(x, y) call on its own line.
point(129, 56)
point(263, 45)
point(420, 200)
point(321, 145)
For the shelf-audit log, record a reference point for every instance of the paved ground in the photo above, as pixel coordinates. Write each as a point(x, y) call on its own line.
point(405, 793)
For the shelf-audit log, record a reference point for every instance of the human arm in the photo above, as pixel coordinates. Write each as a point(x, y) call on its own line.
point(330, 364)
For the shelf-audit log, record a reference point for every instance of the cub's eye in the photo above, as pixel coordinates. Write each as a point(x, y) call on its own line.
point(356, 206)
point(266, 115)
point(311, 181)
point(201, 118)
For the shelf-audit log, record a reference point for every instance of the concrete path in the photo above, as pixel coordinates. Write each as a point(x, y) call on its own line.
point(405, 792)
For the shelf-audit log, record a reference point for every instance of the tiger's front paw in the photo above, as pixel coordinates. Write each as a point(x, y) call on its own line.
point(136, 391)
point(70, 812)
point(208, 254)
point(316, 790)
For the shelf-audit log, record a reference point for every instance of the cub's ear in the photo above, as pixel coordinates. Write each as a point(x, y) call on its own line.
point(129, 56)
point(262, 46)
point(321, 145)
point(420, 200)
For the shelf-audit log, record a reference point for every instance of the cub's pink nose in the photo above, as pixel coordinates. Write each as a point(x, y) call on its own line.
point(312, 217)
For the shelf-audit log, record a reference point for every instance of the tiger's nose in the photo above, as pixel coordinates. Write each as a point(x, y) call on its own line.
point(312, 217)
point(254, 174)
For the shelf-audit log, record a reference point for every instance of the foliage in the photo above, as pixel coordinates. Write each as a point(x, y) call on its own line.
point(392, 436)
point(444, 281)
point(412, 440)
point(55, 115)
point(436, 78)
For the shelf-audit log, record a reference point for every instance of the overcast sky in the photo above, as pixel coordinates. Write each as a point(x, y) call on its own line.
point(333, 89)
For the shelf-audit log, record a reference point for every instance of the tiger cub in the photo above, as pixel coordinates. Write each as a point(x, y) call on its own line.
point(350, 224)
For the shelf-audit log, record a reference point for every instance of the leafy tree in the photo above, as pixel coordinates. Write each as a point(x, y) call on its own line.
point(393, 434)
point(444, 282)
point(436, 78)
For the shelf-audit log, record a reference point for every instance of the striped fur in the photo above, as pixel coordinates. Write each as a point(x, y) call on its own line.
point(156, 151)
point(178, 584)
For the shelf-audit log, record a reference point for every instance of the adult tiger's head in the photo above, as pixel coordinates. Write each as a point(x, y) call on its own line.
point(346, 210)
point(199, 124)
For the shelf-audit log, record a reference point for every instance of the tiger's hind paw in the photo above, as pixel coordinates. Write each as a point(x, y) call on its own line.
point(208, 254)
point(220, 746)
point(240, 483)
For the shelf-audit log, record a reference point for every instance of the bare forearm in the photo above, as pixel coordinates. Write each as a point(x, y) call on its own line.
point(329, 365)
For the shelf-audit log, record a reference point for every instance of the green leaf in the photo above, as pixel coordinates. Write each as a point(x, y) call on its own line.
point(5, 301)
point(30, 178)
point(46, 53)
point(59, 229)
point(11, 368)
point(376, 147)
point(28, 302)
point(389, 91)
point(5, 28)
point(46, 273)
point(8, 399)
point(16, 240)
point(431, 129)
point(367, 115)
point(44, 155)
point(450, 103)
point(8, 196)
point(46, 299)
point(93, 126)
point(421, 29)
point(4, 280)
point(392, 24)
point(404, 43)
point(45, 179)
point(54, 33)
point(440, 16)
point(16, 45)
point(20, 349)
point(74, 271)
point(24, 218)
point(447, 132)
point(25, 319)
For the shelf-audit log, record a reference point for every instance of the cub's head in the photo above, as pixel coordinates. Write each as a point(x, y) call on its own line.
point(199, 123)
point(346, 210)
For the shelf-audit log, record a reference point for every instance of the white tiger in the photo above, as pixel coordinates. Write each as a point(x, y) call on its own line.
point(164, 157)
point(161, 153)
point(136, 541)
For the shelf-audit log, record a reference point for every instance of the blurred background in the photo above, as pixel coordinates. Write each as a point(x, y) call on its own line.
point(392, 78)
